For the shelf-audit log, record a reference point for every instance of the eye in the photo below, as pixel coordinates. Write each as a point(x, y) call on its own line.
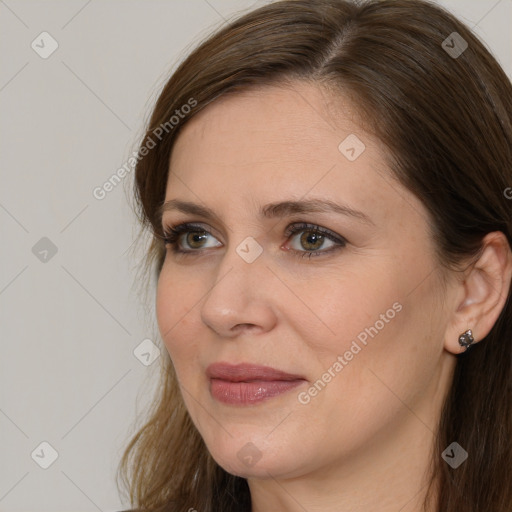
point(194, 237)
point(312, 239)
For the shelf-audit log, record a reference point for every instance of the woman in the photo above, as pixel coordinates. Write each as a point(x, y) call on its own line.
point(328, 189)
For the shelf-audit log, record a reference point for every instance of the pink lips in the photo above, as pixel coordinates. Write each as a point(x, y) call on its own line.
point(245, 384)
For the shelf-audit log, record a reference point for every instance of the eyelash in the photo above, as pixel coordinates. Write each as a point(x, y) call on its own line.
point(172, 234)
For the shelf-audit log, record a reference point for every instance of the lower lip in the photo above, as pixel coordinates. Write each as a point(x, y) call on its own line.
point(247, 393)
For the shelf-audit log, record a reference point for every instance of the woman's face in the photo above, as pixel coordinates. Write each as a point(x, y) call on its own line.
point(353, 317)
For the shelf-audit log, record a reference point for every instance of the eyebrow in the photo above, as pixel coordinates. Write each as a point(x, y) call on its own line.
point(271, 210)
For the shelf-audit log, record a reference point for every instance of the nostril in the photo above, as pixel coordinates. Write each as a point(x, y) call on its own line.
point(245, 327)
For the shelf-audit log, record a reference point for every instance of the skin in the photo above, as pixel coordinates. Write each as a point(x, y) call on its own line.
point(364, 441)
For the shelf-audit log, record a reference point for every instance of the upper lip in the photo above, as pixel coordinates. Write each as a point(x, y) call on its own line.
point(246, 372)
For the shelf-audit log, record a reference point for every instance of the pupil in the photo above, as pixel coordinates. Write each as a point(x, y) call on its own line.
point(196, 238)
point(313, 239)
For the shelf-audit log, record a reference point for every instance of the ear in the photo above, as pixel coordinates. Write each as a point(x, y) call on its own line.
point(482, 293)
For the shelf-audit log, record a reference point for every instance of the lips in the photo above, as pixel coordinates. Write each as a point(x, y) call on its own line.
point(247, 372)
point(245, 384)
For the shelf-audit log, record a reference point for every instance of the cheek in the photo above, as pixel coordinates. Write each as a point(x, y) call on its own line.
point(353, 308)
point(379, 319)
point(388, 345)
point(166, 308)
point(174, 310)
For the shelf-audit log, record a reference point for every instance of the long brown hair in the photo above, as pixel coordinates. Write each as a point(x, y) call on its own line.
point(445, 118)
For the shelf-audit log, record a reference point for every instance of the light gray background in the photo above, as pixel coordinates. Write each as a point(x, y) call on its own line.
point(69, 326)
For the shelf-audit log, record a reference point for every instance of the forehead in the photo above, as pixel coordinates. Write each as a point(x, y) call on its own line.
point(289, 132)
point(298, 121)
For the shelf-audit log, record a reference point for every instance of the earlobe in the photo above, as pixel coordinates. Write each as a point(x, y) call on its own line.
point(466, 339)
point(485, 289)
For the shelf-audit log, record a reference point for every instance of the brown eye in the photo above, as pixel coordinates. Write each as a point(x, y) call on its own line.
point(188, 238)
point(311, 241)
point(196, 240)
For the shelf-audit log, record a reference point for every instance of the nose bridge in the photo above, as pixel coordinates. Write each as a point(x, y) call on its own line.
point(243, 263)
point(238, 295)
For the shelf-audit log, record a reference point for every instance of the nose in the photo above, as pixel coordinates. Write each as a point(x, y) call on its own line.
point(240, 297)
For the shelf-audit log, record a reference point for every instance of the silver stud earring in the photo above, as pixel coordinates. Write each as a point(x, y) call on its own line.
point(466, 339)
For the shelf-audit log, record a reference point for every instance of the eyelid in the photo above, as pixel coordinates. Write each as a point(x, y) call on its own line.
point(297, 227)
point(188, 227)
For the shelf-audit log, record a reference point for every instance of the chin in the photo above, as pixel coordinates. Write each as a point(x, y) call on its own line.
point(249, 461)
point(260, 470)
